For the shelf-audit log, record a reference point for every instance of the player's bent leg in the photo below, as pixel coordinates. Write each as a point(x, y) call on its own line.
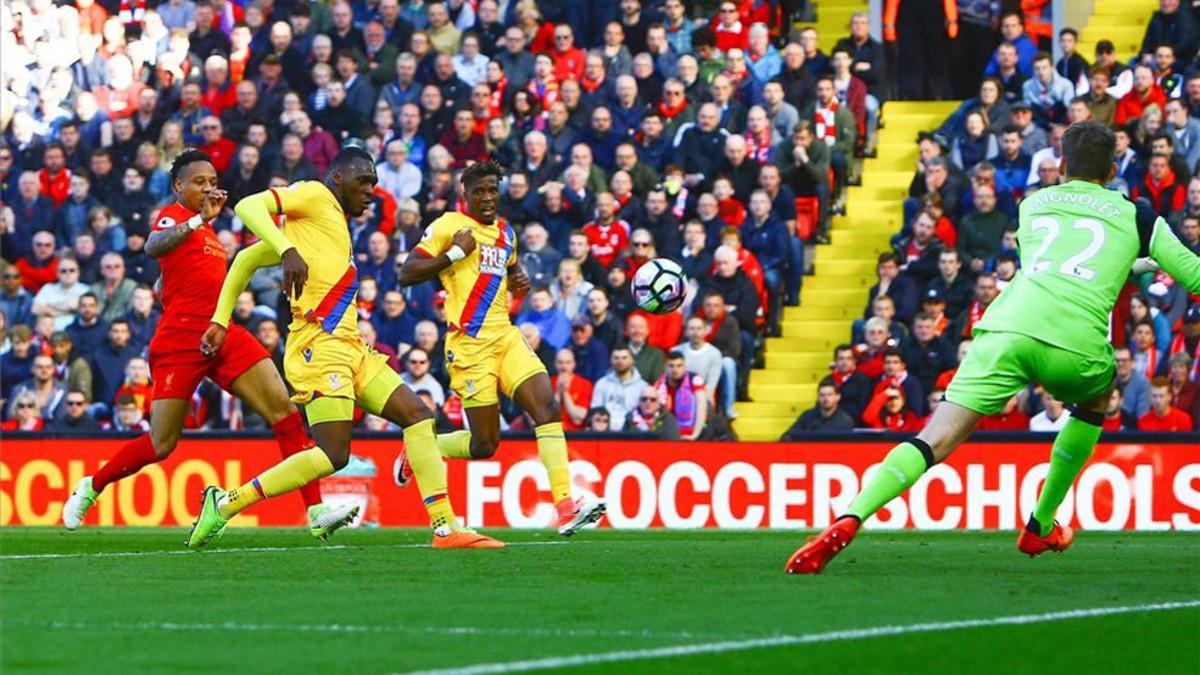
point(332, 422)
point(1073, 447)
point(908, 461)
point(167, 416)
point(485, 429)
point(262, 388)
point(166, 425)
point(402, 407)
point(536, 398)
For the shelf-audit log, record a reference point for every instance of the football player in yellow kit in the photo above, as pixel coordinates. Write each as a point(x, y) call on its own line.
point(329, 366)
point(474, 254)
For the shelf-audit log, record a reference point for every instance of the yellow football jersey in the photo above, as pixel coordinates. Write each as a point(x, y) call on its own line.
point(315, 223)
point(476, 286)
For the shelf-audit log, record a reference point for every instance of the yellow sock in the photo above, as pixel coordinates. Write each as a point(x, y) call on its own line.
point(456, 445)
point(290, 474)
point(430, 471)
point(552, 448)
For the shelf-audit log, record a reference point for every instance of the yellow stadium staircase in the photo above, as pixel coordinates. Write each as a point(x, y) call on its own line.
point(844, 271)
point(1122, 21)
point(833, 20)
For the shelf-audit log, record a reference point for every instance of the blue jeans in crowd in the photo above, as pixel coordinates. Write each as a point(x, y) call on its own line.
point(795, 270)
point(728, 385)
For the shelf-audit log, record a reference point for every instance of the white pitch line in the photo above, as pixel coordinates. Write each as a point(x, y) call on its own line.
point(677, 651)
point(254, 549)
point(227, 626)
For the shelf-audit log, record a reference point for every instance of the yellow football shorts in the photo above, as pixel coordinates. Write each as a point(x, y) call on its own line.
point(329, 374)
point(479, 366)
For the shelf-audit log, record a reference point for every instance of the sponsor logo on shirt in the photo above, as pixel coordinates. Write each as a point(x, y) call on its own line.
point(492, 260)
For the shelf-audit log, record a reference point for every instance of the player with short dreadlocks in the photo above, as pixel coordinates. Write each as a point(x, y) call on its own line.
point(193, 268)
point(474, 254)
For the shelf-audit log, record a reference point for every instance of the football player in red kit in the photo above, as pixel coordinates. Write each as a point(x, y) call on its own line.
point(193, 269)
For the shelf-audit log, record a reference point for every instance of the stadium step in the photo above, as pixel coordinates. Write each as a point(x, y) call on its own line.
point(845, 252)
point(888, 179)
point(845, 267)
point(855, 194)
point(806, 330)
point(869, 238)
point(801, 377)
point(838, 298)
point(835, 283)
point(843, 271)
point(765, 430)
point(833, 20)
point(1121, 21)
point(819, 313)
point(778, 358)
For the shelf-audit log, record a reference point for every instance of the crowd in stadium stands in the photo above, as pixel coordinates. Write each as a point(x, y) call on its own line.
point(957, 248)
point(711, 132)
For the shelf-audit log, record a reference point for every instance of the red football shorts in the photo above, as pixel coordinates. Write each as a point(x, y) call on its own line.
point(177, 365)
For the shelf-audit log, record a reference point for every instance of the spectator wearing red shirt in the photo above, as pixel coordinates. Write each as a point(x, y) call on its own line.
point(54, 177)
point(731, 31)
point(1145, 92)
point(220, 149)
point(1185, 394)
point(870, 354)
point(1162, 187)
point(568, 59)
point(729, 209)
point(573, 392)
point(732, 238)
point(119, 98)
point(1009, 419)
point(42, 267)
point(665, 329)
point(608, 236)
point(889, 411)
point(464, 143)
point(218, 91)
point(24, 414)
point(1162, 415)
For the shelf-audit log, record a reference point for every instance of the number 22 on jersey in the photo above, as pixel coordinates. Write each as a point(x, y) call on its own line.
point(1045, 259)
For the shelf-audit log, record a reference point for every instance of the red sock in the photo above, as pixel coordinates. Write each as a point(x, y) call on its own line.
point(292, 438)
point(129, 460)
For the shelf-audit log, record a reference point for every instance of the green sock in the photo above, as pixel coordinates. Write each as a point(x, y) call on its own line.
point(901, 468)
point(1072, 448)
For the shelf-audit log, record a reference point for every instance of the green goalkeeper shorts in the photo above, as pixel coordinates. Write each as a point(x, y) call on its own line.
point(998, 365)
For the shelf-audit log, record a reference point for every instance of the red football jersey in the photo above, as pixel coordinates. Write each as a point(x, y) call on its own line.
point(607, 242)
point(192, 274)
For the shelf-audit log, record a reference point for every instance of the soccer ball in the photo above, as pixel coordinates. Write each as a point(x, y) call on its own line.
point(659, 286)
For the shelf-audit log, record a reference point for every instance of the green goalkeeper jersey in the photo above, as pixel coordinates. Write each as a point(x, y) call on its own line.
point(1078, 242)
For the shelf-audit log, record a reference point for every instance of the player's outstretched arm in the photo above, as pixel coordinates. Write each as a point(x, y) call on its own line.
point(247, 261)
point(256, 212)
point(422, 265)
point(1173, 257)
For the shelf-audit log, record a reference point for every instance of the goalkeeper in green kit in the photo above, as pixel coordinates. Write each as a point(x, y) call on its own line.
point(1078, 244)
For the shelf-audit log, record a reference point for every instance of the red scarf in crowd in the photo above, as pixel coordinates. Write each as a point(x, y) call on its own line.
point(826, 119)
point(839, 378)
point(759, 148)
point(669, 111)
point(498, 90)
point(589, 85)
point(974, 314)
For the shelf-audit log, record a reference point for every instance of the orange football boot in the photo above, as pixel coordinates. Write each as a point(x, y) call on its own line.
point(444, 537)
point(1032, 543)
point(813, 556)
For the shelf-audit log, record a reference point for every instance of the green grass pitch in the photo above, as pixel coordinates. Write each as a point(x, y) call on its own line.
point(274, 601)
